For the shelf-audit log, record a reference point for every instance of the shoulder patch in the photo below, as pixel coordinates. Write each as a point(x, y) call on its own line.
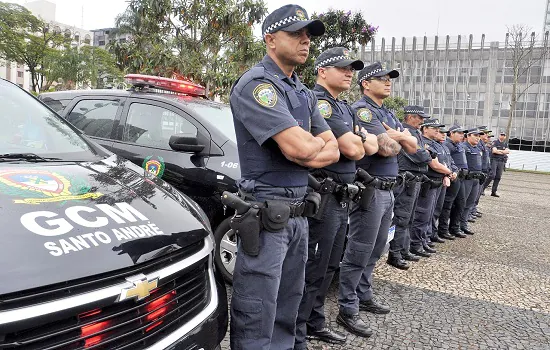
point(265, 95)
point(324, 108)
point(364, 114)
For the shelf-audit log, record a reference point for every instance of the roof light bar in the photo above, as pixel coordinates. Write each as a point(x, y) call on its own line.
point(173, 85)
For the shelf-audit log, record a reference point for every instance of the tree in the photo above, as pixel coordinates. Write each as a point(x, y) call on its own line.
point(209, 42)
point(27, 39)
point(396, 104)
point(523, 51)
point(346, 29)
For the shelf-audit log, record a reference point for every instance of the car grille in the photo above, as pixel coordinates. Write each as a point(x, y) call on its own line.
point(129, 324)
point(83, 285)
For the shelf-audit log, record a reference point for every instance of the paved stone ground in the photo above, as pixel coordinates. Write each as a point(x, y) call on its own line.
point(487, 291)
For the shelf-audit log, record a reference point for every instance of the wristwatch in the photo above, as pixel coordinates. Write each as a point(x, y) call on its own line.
point(362, 135)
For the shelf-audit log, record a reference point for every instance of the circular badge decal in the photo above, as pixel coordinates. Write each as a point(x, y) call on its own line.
point(265, 95)
point(301, 15)
point(324, 108)
point(154, 165)
point(364, 114)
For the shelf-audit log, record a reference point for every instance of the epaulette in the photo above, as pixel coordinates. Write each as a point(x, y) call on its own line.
point(256, 72)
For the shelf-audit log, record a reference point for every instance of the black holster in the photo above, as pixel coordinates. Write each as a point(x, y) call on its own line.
point(367, 196)
point(248, 226)
point(425, 188)
point(312, 205)
point(409, 187)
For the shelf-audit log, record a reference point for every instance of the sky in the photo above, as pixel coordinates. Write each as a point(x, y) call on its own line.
point(395, 18)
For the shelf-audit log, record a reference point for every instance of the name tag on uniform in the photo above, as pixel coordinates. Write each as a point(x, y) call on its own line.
point(391, 234)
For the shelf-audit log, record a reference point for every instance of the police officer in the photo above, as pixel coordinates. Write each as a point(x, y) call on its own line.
point(448, 161)
point(439, 176)
point(334, 69)
point(280, 133)
point(454, 202)
point(499, 156)
point(412, 168)
point(471, 181)
point(370, 221)
point(485, 166)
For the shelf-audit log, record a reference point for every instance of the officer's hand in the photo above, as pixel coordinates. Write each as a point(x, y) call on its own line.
point(364, 131)
point(446, 182)
point(453, 176)
point(391, 132)
point(406, 132)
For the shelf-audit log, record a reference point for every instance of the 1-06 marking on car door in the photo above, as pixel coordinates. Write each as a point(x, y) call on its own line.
point(231, 165)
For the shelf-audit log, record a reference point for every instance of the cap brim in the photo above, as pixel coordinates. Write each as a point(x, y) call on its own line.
point(392, 73)
point(443, 130)
point(458, 130)
point(355, 64)
point(316, 27)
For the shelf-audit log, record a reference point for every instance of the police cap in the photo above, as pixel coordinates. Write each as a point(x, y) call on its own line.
point(474, 131)
point(418, 110)
point(376, 69)
point(337, 57)
point(291, 18)
point(457, 128)
point(432, 122)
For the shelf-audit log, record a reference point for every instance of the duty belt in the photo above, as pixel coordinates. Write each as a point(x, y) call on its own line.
point(384, 185)
point(474, 175)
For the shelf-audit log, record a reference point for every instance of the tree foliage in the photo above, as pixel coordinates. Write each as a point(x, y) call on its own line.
point(27, 39)
point(346, 29)
point(396, 104)
point(209, 42)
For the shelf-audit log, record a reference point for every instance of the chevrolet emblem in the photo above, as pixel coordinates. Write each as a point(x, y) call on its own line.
point(141, 288)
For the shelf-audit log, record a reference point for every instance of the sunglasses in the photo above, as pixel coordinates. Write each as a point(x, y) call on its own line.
point(342, 69)
point(384, 79)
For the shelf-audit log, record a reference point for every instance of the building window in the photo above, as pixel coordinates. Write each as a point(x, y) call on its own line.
point(102, 43)
point(20, 74)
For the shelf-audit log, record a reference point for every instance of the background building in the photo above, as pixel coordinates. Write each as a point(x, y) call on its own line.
point(469, 82)
point(102, 37)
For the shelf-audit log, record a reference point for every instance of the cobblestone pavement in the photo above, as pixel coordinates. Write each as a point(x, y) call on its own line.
point(487, 291)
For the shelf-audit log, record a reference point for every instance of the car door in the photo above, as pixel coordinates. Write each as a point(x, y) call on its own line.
point(143, 137)
point(97, 116)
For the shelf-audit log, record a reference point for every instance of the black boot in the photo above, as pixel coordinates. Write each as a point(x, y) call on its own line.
point(446, 235)
point(410, 257)
point(354, 324)
point(398, 263)
point(373, 307)
point(327, 335)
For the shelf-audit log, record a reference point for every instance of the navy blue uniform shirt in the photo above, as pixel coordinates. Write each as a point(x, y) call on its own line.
point(418, 161)
point(371, 116)
point(435, 146)
point(264, 102)
point(458, 153)
point(500, 146)
point(473, 156)
point(449, 162)
point(484, 156)
point(339, 117)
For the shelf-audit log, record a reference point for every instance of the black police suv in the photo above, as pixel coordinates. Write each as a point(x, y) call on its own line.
point(168, 127)
point(96, 252)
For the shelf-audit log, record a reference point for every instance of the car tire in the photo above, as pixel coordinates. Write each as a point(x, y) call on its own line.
point(226, 250)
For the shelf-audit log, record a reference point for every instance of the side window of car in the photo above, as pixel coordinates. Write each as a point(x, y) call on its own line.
point(56, 105)
point(94, 117)
point(152, 126)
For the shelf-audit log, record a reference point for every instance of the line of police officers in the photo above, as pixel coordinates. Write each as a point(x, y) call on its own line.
point(361, 163)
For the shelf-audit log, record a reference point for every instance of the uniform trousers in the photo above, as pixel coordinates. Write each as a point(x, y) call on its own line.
point(368, 234)
point(497, 167)
point(268, 288)
point(432, 230)
point(453, 205)
point(406, 197)
point(470, 193)
point(423, 215)
point(325, 248)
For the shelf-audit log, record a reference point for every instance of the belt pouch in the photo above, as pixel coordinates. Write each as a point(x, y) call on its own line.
point(425, 187)
point(275, 215)
point(410, 187)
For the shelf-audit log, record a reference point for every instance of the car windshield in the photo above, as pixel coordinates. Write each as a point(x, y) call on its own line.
point(219, 116)
point(29, 128)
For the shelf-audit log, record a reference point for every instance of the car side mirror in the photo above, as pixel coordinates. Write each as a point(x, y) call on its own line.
point(186, 143)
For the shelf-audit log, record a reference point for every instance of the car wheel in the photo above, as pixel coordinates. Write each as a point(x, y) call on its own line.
point(226, 250)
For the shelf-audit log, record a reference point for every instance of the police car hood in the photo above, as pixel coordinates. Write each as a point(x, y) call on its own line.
point(65, 221)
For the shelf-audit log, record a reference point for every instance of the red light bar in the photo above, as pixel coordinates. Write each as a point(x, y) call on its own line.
point(180, 86)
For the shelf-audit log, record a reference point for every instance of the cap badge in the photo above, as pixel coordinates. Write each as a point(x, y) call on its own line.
point(301, 15)
point(384, 66)
point(346, 53)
